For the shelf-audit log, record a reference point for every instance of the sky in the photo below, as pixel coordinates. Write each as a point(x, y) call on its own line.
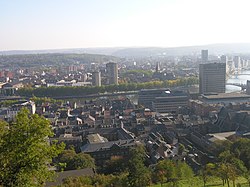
point(58, 24)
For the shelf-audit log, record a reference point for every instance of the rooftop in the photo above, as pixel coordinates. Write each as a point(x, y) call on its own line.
point(225, 96)
point(88, 148)
point(96, 138)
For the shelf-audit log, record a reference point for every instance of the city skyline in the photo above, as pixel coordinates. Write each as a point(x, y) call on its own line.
point(35, 25)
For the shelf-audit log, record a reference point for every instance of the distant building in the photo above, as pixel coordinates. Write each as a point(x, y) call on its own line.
point(163, 100)
point(73, 68)
point(223, 59)
point(171, 102)
point(10, 88)
point(157, 67)
point(96, 78)
point(96, 138)
point(112, 72)
point(204, 56)
point(68, 140)
point(104, 151)
point(200, 108)
point(10, 113)
point(212, 78)
point(147, 96)
point(248, 87)
point(225, 98)
point(237, 62)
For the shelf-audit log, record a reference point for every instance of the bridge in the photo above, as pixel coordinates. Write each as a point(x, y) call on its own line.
point(243, 86)
point(243, 74)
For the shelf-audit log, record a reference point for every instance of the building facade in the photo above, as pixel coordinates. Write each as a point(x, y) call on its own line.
point(170, 104)
point(212, 78)
point(147, 96)
point(248, 87)
point(163, 100)
point(112, 72)
point(237, 62)
point(96, 78)
point(204, 56)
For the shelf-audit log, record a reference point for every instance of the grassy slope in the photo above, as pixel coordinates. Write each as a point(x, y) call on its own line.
point(196, 182)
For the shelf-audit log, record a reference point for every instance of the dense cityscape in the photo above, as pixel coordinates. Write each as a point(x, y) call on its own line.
point(115, 93)
point(151, 113)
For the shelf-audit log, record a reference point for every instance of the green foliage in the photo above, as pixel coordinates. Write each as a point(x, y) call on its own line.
point(207, 171)
point(220, 146)
point(8, 103)
point(173, 171)
point(138, 174)
point(230, 167)
point(181, 149)
point(138, 72)
point(25, 153)
point(83, 181)
point(197, 182)
point(42, 100)
point(75, 161)
point(98, 180)
point(233, 161)
point(169, 168)
point(82, 91)
point(183, 170)
point(115, 165)
point(241, 149)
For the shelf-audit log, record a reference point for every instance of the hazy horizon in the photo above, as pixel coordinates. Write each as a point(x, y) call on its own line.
point(48, 25)
point(126, 47)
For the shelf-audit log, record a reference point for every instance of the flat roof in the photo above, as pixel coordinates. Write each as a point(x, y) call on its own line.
point(225, 96)
point(96, 138)
point(220, 136)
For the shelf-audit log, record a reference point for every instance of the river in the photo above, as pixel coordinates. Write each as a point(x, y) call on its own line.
point(242, 79)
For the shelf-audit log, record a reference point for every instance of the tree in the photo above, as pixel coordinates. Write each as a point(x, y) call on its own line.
point(115, 165)
point(81, 91)
point(25, 153)
point(168, 167)
point(139, 175)
point(247, 176)
point(76, 161)
point(241, 149)
point(181, 149)
point(230, 167)
point(207, 171)
point(174, 171)
point(184, 171)
point(99, 180)
point(220, 146)
point(159, 176)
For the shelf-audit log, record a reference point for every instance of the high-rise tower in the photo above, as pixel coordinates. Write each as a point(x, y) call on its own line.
point(112, 72)
point(96, 78)
point(204, 56)
point(212, 78)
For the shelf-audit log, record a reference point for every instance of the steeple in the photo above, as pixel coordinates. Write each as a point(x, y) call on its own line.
point(157, 68)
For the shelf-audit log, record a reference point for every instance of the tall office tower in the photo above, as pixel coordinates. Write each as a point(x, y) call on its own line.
point(237, 62)
point(248, 87)
point(204, 56)
point(212, 78)
point(96, 78)
point(224, 59)
point(112, 72)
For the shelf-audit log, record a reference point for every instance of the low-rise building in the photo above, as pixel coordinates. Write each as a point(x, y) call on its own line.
point(103, 151)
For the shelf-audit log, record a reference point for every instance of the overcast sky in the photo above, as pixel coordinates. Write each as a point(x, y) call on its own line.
point(57, 24)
